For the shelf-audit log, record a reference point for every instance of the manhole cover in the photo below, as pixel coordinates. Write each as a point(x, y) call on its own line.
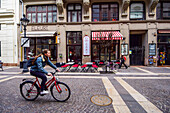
point(101, 100)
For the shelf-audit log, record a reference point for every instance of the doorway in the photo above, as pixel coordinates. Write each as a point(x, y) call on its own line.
point(138, 51)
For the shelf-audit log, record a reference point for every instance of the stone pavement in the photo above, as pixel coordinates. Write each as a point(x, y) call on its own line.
point(136, 89)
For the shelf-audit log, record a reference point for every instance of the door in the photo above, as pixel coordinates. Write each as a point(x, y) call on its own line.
point(138, 52)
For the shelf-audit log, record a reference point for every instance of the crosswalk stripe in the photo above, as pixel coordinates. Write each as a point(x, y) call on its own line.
point(3, 76)
point(145, 70)
point(7, 79)
point(118, 103)
point(146, 104)
point(143, 77)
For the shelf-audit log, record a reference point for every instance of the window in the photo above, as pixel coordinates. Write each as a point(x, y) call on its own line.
point(74, 47)
point(163, 10)
point(137, 11)
point(105, 12)
point(0, 48)
point(74, 13)
point(42, 14)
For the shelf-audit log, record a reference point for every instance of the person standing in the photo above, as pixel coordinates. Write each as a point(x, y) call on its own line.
point(123, 59)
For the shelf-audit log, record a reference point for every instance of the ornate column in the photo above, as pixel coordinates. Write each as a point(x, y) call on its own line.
point(125, 6)
point(152, 7)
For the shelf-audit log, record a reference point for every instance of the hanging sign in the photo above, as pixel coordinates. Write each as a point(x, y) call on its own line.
point(124, 49)
point(86, 45)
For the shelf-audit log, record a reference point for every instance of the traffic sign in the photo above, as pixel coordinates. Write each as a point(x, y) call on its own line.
point(25, 42)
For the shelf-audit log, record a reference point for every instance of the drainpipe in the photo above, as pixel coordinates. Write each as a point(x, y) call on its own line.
point(21, 25)
point(22, 14)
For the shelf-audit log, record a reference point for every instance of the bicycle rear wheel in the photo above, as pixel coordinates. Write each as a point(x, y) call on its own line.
point(60, 92)
point(29, 91)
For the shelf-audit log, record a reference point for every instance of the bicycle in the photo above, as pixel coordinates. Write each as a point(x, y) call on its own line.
point(30, 90)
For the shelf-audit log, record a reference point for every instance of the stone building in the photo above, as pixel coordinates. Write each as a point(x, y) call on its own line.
point(9, 18)
point(99, 30)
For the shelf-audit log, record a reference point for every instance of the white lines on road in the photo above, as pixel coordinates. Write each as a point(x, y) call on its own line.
point(7, 79)
point(3, 76)
point(10, 73)
point(118, 104)
point(145, 70)
point(147, 105)
point(143, 77)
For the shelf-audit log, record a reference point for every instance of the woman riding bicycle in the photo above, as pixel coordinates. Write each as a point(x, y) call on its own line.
point(38, 68)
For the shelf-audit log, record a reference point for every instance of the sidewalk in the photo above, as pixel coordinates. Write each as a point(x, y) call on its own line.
point(133, 70)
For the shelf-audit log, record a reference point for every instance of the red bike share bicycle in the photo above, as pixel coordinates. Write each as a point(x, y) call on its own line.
point(30, 89)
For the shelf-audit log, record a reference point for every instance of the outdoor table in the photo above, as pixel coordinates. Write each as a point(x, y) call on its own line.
point(89, 65)
point(70, 65)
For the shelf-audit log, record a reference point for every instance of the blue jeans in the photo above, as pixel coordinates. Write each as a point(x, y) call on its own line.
point(40, 75)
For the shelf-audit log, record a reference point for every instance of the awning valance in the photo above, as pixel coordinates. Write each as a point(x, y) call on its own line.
point(39, 34)
point(110, 35)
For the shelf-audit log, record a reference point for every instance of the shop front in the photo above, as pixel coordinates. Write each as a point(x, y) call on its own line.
point(163, 47)
point(39, 41)
point(105, 45)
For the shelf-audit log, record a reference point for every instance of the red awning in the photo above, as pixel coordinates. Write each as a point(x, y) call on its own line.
point(110, 35)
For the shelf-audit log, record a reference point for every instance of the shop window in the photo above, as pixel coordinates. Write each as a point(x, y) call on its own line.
point(163, 10)
point(74, 47)
point(137, 11)
point(42, 14)
point(0, 48)
point(74, 13)
point(105, 12)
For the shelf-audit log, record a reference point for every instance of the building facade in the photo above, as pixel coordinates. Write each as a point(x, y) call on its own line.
point(9, 18)
point(93, 30)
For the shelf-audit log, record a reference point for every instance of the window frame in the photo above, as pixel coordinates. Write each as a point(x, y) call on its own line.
point(161, 11)
point(0, 48)
point(109, 10)
point(144, 11)
point(74, 10)
point(37, 12)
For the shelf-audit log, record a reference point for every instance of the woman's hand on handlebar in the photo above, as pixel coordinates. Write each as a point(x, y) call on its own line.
point(57, 70)
point(49, 74)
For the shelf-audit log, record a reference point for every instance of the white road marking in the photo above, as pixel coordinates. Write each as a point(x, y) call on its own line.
point(143, 77)
point(10, 73)
point(3, 76)
point(118, 103)
point(145, 71)
point(123, 73)
point(7, 79)
point(146, 104)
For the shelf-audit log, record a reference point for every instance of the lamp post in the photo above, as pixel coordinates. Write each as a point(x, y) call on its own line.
point(24, 22)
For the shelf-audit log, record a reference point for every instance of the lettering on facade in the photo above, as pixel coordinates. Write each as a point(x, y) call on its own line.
point(86, 45)
point(39, 28)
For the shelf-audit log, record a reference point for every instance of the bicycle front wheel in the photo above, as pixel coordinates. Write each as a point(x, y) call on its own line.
point(60, 91)
point(29, 91)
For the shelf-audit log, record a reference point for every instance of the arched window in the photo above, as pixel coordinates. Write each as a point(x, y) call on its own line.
point(137, 11)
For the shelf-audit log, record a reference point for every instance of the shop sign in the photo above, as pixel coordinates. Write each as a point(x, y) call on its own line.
point(39, 28)
point(152, 49)
point(86, 45)
point(124, 49)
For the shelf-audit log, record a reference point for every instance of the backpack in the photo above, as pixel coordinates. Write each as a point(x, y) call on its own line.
point(124, 58)
point(30, 62)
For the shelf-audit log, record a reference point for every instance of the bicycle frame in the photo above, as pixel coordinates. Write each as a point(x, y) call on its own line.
point(48, 83)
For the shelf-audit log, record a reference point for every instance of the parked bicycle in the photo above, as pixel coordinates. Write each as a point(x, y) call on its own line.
point(30, 89)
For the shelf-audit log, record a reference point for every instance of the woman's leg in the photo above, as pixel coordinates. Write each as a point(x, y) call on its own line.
point(42, 76)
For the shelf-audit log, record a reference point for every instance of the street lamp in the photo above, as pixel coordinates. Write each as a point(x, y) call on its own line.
point(24, 22)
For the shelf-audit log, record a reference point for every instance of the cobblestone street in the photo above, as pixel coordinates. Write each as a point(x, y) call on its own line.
point(136, 90)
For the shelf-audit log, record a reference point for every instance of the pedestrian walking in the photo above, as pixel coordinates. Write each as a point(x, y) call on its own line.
point(123, 59)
